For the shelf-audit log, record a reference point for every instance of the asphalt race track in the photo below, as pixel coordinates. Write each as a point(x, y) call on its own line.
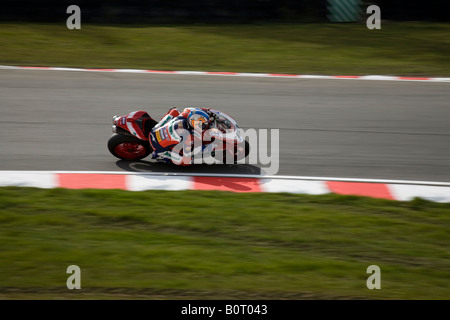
point(61, 120)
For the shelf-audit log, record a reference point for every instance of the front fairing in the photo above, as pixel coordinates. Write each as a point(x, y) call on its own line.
point(227, 125)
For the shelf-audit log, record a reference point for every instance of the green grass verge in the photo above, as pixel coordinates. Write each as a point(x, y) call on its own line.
point(219, 245)
point(412, 49)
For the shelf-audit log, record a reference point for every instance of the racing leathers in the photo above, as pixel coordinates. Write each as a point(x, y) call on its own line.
point(173, 139)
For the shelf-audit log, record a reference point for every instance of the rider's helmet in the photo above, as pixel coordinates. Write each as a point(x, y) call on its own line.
point(198, 118)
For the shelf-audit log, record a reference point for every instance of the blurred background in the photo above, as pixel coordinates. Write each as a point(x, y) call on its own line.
point(215, 11)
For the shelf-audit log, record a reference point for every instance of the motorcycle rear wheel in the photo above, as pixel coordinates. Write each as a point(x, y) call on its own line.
point(127, 147)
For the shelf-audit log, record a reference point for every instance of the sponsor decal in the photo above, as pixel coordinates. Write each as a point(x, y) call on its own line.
point(165, 133)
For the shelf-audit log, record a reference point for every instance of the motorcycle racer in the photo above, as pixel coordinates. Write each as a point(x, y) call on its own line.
point(196, 135)
point(181, 129)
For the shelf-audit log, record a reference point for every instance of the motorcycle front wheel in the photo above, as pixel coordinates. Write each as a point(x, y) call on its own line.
point(241, 151)
point(127, 147)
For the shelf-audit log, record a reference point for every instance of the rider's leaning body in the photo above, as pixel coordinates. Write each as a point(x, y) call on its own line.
point(183, 128)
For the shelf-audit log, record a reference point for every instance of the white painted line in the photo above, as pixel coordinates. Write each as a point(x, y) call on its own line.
point(35, 179)
point(409, 192)
point(9, 67)
point(146, 182)
point(64, 69)
point(362, 180)
point(191, 72)
point(376, 77)
point(294, 186)
point(439, 79)
point(306, 76)
point(246, 74)
point(129, 71)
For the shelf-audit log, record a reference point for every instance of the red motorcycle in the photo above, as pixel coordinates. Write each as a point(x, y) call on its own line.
point(130, 139)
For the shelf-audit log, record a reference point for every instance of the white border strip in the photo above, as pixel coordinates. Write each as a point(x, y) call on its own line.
point(240, 74)
point(36, 179)
point(254, 176)
point(402, 190)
